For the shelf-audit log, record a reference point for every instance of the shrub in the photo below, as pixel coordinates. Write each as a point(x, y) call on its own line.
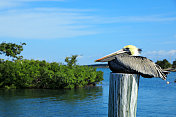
point(164, 64)
point(41, 74)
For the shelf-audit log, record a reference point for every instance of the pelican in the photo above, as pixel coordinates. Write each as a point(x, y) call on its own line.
point(127, 60)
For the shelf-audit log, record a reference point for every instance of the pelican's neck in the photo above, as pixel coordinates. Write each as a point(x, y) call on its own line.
point(135, 53)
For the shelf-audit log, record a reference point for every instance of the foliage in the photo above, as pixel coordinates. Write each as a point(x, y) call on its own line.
point(41, 74)
point(71, 61)
point(164, 64)
point(174, 64)
point(11, 49)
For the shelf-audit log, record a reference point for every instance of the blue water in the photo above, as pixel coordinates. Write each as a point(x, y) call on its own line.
point(155, 99)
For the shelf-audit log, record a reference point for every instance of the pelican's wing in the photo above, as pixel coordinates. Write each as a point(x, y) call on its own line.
point(141, 65)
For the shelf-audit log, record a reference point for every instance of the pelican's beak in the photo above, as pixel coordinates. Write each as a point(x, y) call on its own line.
point(110, 56)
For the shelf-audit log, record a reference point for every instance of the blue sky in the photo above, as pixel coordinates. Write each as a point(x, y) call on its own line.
point(54, 29)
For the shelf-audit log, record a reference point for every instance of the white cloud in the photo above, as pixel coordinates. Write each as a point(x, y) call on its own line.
point(51, 23)
point(7, 4)
point(161, 53)
point(42, 23)
point(14, 3)
point(36, 24)
point(138, 19)
point(172, 52)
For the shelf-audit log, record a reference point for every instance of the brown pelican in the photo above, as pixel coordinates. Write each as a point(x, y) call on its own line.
point(127, 60)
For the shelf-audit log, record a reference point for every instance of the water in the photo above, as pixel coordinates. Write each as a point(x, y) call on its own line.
point(155, 99)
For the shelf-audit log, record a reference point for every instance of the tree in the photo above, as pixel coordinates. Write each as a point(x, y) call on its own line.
point(174, 64)
point(71, 61)
point(164, 64)
point(11, 49)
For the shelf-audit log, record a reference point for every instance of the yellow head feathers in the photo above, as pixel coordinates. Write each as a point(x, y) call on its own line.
point(133, 50)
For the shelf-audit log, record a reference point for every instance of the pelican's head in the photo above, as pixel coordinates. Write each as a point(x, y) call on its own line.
point(132, 50)
point(129, 49)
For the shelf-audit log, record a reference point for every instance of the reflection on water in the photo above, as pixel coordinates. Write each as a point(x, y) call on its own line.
point(66, 95)
point(42, 102)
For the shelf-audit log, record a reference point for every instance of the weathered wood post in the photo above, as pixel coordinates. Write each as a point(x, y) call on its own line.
point(123, 93)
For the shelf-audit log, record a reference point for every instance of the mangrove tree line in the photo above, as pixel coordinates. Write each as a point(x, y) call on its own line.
point(23, 73)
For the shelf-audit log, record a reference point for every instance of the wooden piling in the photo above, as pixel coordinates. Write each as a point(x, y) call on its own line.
point(123, 93)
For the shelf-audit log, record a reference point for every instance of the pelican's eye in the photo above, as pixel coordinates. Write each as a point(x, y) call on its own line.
point(126, 49)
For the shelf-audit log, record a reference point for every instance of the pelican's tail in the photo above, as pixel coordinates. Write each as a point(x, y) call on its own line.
point(161, 73)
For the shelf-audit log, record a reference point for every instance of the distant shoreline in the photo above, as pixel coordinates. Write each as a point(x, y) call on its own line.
point(170, 69)
point(106, 66)
point(99, 65)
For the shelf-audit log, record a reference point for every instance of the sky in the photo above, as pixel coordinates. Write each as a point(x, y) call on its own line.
point(55, 29)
